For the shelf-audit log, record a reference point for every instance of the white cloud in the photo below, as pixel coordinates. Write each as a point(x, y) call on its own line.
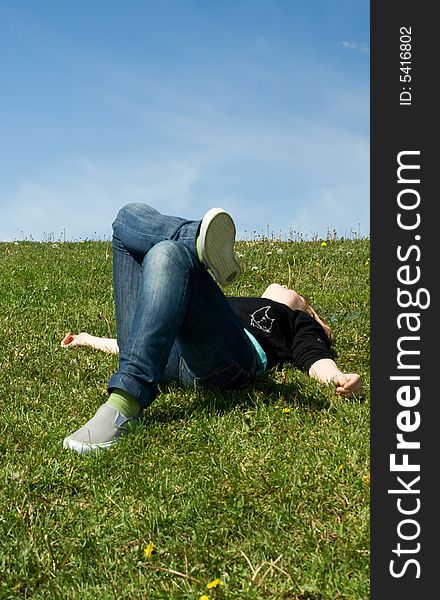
point(357, 46)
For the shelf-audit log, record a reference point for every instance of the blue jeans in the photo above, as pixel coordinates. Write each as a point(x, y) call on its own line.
point(173, 321)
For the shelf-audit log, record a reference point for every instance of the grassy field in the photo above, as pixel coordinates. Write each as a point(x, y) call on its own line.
point(261, 493)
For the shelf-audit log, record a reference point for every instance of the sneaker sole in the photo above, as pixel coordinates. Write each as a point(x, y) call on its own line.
point(217, 237)
point(84, 448)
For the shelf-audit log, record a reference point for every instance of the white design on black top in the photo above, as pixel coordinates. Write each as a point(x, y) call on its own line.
point(260, 319)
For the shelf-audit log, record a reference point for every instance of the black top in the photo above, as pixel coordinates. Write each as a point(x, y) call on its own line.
point(285, 335)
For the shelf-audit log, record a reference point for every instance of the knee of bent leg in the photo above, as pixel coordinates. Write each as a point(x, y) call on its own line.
point(129, 210)
point(135, 215)
point(167, 253)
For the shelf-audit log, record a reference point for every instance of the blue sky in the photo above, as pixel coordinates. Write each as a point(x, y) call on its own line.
point(258, 106)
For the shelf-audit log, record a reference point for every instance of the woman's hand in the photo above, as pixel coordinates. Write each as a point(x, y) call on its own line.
point(347, 384)
point(80, 339)
point(326, 371)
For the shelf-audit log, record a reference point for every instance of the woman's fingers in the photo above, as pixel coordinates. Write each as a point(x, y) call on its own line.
point(70, 339)
point(349, 384)
point(67, 339)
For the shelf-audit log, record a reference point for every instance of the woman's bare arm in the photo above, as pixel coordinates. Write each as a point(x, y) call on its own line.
point(109, 345)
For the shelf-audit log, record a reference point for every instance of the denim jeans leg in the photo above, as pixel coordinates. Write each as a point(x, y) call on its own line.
point(139, 227)
point(172, 372)
point(127, 270)
point(136, 229)
point(179, 302)
point(214, 348)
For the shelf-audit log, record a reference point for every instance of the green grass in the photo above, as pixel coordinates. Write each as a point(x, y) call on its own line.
point(265, 489)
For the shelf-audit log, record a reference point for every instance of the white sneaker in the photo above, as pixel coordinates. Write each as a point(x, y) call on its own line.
point(215, 245)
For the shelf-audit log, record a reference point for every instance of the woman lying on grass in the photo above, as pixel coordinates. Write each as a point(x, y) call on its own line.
point(174, 324)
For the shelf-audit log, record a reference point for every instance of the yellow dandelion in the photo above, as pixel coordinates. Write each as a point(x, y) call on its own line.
point(214, 583)
point(366, 479)
point(341, 468)
point(204, 597)
point(149, 549)
point(323, 244)
point(286, 410)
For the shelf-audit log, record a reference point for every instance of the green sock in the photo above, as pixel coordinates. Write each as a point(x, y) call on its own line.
point(123, 402)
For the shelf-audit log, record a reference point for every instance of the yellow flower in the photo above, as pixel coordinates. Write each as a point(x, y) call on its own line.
point(366, 479)
point(149, 549)
point(286, 410)
point(323, 244)
point(204, 597)
point(214, 583)
point(341, 468)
